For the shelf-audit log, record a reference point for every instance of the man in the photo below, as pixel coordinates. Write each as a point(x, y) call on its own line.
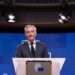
point(31, 48)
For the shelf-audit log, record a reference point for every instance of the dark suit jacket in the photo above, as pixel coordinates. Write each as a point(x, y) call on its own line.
point(23, 51)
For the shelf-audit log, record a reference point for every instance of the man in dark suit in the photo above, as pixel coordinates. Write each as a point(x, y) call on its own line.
point(31, 48)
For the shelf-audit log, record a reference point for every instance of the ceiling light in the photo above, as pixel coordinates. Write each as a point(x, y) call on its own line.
point(11, 18)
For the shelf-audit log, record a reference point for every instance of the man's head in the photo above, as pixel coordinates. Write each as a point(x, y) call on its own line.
point(30, 32)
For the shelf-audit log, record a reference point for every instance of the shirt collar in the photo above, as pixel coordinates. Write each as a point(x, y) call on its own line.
point(34, 42)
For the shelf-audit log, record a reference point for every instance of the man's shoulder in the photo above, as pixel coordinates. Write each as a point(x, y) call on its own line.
point(21, 44)
point(41, 43)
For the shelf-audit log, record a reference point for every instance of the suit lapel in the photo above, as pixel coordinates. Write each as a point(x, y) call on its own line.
point(28, 49)
point(37, 49)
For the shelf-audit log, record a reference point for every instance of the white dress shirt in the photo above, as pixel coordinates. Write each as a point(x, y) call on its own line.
point(34, 44)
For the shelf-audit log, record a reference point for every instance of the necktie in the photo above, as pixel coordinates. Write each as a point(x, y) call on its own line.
point(32, 50)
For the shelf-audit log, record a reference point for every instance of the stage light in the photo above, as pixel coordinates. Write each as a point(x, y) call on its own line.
point(63, 18)
point(65, 12)
point(11, 18)
point(60, 20)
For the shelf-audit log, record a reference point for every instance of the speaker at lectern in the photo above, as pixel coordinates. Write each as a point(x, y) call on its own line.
point(39, 67)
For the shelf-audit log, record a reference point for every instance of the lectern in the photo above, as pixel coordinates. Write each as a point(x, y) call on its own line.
point(38, 66)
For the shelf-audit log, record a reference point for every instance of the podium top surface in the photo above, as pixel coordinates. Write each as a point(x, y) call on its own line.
point(31, 59)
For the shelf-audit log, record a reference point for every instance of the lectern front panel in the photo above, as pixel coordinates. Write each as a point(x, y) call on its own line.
point(38, 67)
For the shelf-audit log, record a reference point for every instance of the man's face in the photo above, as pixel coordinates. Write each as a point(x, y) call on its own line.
point(30, 33)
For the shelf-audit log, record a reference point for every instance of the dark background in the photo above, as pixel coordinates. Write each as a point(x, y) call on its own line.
point(42, 13)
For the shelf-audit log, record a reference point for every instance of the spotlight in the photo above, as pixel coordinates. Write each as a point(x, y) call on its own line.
point(11, 18)
point(65, 12)
point(63, 18)
point(60, 20)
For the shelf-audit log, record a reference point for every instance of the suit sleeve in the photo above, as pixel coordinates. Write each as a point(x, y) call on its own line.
point(45, 52)
point(18, 51)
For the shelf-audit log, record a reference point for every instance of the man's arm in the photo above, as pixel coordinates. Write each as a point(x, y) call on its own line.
point(46, 52)
point(18, 52)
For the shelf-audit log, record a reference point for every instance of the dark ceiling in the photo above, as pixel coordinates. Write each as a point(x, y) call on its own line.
point(40, 1)
point(42, 13)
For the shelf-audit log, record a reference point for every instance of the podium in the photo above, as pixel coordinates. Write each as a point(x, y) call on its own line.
point(21, 68)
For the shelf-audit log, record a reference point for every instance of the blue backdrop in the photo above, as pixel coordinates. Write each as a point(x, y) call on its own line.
point(59, 44)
